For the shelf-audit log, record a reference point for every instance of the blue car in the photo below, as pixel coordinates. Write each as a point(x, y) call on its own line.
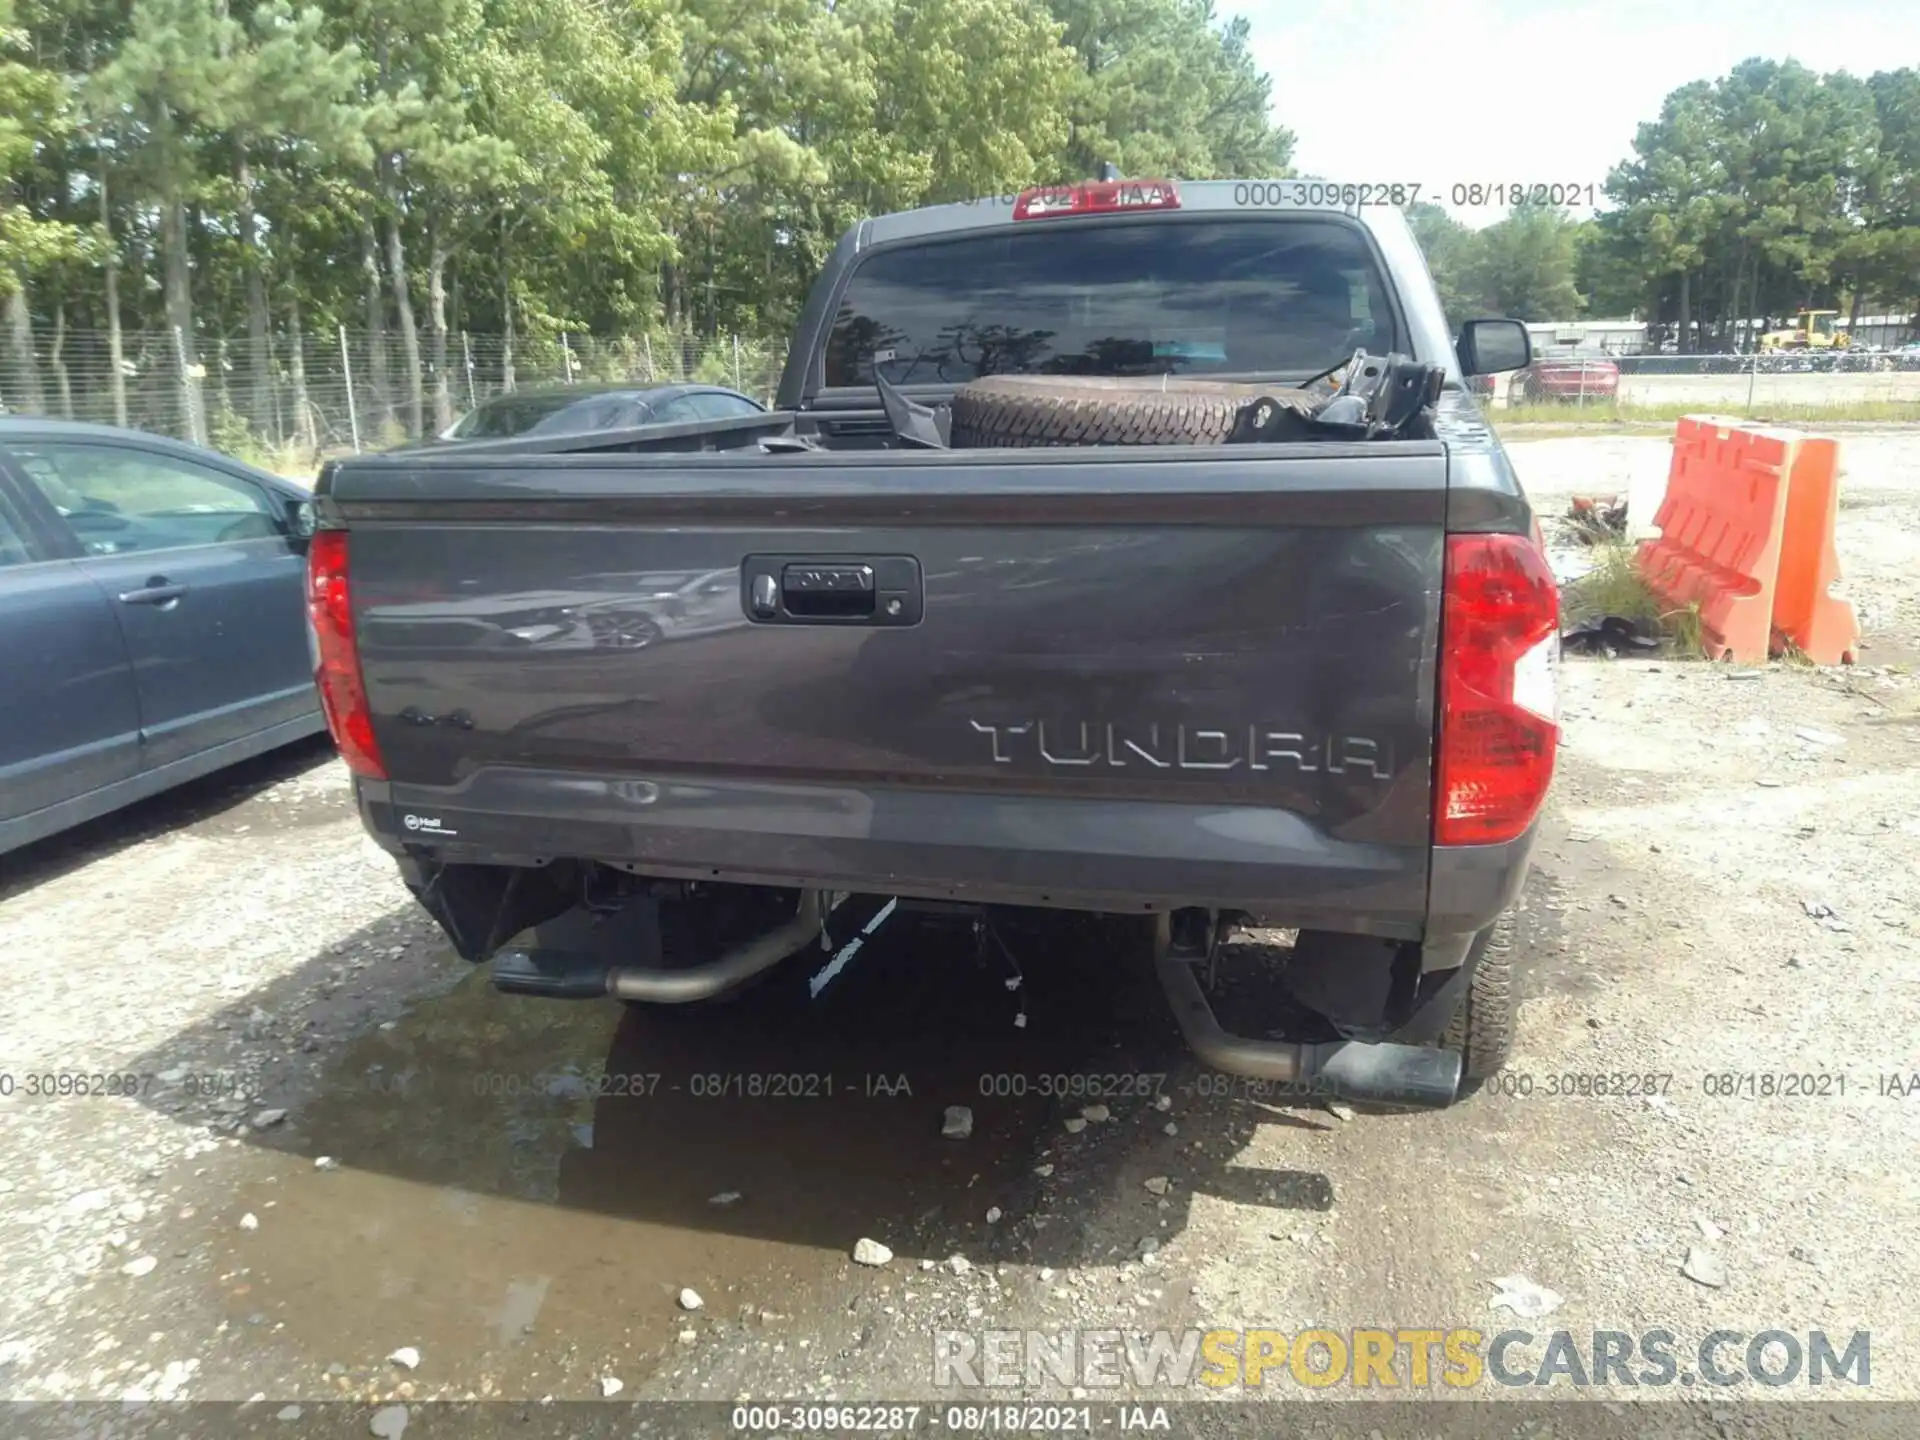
point(153, 622)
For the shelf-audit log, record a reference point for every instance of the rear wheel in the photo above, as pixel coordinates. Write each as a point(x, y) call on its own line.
point(1482, 1028)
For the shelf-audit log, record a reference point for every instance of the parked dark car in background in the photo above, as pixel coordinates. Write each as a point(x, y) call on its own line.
point(579, 409)
point(152, 620)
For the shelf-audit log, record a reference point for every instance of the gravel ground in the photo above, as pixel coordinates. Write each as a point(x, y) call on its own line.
point(348, 1145)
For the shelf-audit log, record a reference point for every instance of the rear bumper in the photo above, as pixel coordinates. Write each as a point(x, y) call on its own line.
point(1114, 856)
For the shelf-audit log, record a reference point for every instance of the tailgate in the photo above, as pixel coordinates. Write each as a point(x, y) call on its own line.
point(1134, 678)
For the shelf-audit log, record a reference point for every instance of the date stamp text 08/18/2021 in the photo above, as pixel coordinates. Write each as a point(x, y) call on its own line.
point(1312, 194)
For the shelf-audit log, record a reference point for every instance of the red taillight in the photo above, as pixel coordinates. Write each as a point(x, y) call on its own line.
point(343, 695)
point(1499, 717)
point(1096, 197)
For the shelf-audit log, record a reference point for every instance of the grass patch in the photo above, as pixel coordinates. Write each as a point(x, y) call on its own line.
point(1614, 413)
point(1614, 587)
point(1527, 430)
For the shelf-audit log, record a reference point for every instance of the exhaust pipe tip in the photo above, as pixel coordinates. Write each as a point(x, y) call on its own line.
point(1408, 1076)
point(731, 969)
point(1413, 1077)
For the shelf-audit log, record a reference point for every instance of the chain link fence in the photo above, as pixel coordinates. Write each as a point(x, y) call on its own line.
point(318, 395)
point(1810, 386)
point(323, 394)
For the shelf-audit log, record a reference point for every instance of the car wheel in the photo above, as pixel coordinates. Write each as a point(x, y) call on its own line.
point(1482, 1028)
point(622, 632)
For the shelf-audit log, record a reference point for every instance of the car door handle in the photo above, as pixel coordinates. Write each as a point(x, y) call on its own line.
point(157, 591)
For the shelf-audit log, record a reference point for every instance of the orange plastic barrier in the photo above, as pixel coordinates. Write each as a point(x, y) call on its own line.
point(1747, 534)
point(1720, 525)
point(1824, 628)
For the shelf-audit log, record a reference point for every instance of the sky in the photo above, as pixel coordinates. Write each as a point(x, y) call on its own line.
point(1527, 91)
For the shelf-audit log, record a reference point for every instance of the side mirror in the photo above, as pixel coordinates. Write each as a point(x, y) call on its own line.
point(1488, 347)
point(302, 521)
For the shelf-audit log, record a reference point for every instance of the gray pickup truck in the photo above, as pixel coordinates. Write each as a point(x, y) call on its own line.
point(1132, 548)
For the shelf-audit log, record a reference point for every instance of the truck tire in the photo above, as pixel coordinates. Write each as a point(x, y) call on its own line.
point(1003, 411)
point(1482, 1028)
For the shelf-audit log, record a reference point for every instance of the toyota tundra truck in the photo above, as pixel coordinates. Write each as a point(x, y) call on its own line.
point(1130, 547)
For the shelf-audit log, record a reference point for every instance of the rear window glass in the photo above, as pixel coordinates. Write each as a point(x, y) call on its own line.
point(1192, 297)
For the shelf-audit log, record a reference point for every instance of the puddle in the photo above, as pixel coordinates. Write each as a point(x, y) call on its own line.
point(524, 1186)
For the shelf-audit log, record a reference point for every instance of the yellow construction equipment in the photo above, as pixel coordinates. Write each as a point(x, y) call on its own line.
point(1811, 330)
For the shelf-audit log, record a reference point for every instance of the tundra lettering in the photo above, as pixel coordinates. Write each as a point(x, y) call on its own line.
point(1185, 747)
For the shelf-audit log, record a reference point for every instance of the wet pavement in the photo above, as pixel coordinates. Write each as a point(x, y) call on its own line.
point(513, 1178)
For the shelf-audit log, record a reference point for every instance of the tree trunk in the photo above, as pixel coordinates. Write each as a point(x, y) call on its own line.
point(259, 366)
point(437, 319)
point(58, 361)
point(378, 411)
point(303, 426)
point(24, 393)
point(25, 390)
point(222, 368)
point(116, 359)
point(506, 309)
point(1735, 317)
point(273, 391)
point(403, 307)
point(176, 287)
point(1686, 313)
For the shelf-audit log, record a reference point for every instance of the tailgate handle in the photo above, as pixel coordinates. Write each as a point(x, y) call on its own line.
point(831, 589)
point(845, 591)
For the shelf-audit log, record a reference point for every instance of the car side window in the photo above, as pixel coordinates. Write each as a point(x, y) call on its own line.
point(14, 549)
point(714, 406)
point(119, 499)
point(674, 411)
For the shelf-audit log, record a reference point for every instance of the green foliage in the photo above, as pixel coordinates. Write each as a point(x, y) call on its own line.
point(978, 87)
point(666, 169)
point(1766, 190)
point(1523, 265)
point(536, 167)
point(1605, 274)
point(1448, 246)
point(1752, 195)
point(35, 108)
point(1163, 88)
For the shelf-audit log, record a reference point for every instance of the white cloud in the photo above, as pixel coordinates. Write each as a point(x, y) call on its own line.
point(1527, 91)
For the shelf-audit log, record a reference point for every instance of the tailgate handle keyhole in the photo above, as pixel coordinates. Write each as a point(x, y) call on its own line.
point(827, 590)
